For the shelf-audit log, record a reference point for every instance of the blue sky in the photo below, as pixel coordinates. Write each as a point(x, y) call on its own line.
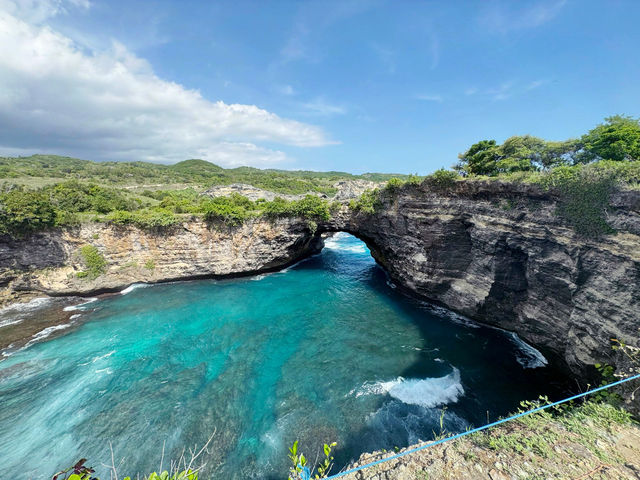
point(359, 86)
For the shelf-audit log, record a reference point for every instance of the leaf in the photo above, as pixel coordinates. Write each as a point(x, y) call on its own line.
point(74, 477)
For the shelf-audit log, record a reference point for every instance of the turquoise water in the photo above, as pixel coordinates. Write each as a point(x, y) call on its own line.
point(324, 351)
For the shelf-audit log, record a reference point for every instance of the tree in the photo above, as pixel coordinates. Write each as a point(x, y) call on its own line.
point(520, 153)
point(480, 159)
point(618, 138)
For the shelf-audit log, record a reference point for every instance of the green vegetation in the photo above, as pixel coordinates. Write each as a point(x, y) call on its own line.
point(299, 469)
point(617, 139)
point(582, 173)
point(94, 262)
point(24, 212)
point(40, 170)
point(81, 472)
point(587, 424)
point(45, 191)
point(370, 200)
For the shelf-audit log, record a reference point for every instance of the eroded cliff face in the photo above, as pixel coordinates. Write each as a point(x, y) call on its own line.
point(499, 254)
point(49, 262)
point(495, 252)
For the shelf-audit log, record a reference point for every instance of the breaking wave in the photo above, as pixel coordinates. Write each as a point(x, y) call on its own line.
point(526, 355)
point(17, 312)
point(428, 392)
point(79, 306)
point(336, 242)
point(133, 287)
point(42, 334)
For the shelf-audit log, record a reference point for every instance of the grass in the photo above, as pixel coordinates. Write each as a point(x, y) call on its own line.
point(537, 434)
point(94, 262)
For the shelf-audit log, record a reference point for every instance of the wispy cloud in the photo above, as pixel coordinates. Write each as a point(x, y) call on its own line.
point(506, 89)
point(504, 17)
point(321, 107)
point(387, 57)
point(502, 91)
point(286, 90)
point(430, 98)
point(536, 84)
point(37, 11)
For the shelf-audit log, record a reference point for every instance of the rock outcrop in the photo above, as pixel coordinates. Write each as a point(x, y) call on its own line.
point(346, 190)
point(249, 191)
point(49, 262)
point(497, 253)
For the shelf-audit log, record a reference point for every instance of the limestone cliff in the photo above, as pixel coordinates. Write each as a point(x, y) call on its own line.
point(49, 262)
point(497, 252)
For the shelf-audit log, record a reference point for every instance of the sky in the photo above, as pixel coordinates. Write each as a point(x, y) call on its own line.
point(351, 85)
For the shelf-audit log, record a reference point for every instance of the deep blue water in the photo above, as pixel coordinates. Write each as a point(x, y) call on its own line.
point(324, 351)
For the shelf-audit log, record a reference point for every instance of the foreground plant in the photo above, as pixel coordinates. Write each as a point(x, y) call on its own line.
point(78, 472)
point(299, 469)
point(185, 468)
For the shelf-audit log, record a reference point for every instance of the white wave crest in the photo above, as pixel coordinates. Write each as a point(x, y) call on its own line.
point(79, 306)
point(428, 392)
point(16, 311)
point(134, 286)
point(340, 241)
point(42, 334)
point(526, 355)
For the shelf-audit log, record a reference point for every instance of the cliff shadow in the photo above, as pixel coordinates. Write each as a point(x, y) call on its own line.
point(464, 374)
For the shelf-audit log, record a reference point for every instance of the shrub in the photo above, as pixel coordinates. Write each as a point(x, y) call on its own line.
point(22, 212)
point(584, 196)
point(312, 207)
point(149, 218)
point(443, 179)
point(224, 211)
point(368, 202)
point(393, 184)
point(150, 264)
point(94, 262)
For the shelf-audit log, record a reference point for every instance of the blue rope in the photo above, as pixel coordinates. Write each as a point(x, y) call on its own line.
point(484, 427)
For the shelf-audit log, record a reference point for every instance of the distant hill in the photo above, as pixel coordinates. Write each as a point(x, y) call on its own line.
point(38, 170)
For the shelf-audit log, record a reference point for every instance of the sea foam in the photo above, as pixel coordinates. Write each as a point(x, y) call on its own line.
point(428, 392)
point(526, 355)
point(134, 286)
point(79, 306)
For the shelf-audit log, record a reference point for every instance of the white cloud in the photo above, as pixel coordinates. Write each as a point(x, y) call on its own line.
point(110, 105)
point(322, 108)
point(430, 98)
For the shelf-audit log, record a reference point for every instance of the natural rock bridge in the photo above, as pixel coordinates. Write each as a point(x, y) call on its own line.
point(495, 252)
